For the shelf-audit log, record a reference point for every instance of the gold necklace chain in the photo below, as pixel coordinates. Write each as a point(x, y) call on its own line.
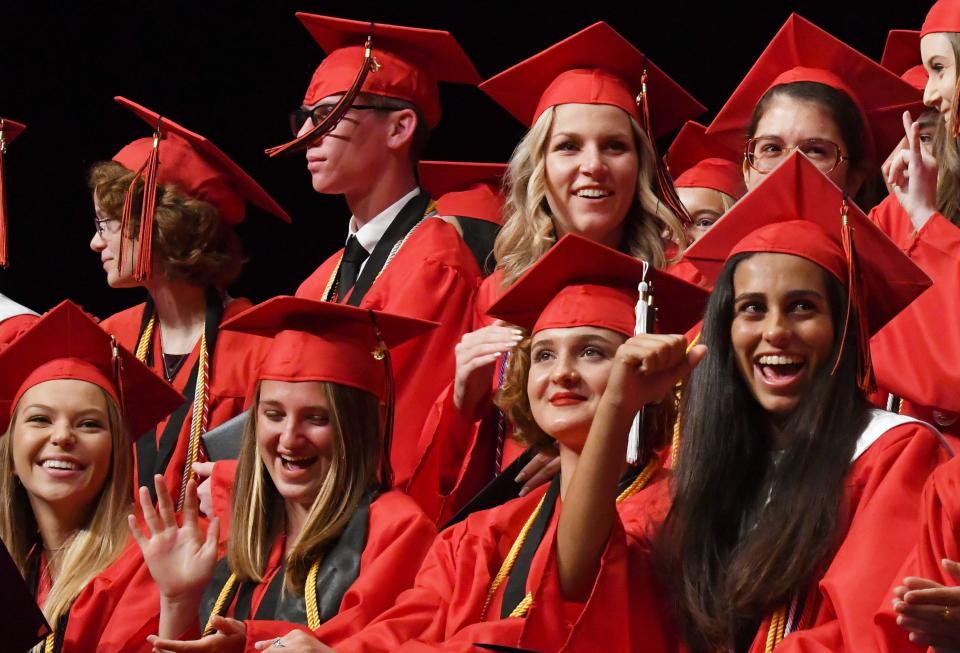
point(521, 609)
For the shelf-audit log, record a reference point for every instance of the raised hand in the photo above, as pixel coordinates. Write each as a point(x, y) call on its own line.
point(930, 611)
point(476, 355)
point(647, 367)
point(912, 175)
point(181, 559)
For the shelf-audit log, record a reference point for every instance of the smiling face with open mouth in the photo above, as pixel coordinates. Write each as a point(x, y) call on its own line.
point(592, 168)
point(782, 331)
point(62, 445)
point(295, 437)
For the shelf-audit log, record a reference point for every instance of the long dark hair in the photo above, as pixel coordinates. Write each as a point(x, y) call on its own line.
point(849, 121)
point(744, 534)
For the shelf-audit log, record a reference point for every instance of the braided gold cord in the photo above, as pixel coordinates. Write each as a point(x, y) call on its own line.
point(678, 392)
point(50, 642)
point(219, 605)
point(523, 606)
point(775, 633)
point(328, 289)
point(640, 481)
point(143, 346)
point(511, 559)
point(198, 419)
point(310, 597)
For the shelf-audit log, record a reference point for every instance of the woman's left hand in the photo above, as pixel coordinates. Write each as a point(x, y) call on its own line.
point(912, 175)
point(231, 637)
point(930, 611)
point(296, 641)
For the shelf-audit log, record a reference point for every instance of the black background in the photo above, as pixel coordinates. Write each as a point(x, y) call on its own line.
point(233, 70)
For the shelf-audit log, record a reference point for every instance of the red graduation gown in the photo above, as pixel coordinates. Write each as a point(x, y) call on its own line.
point(882, 495)
point(398, 539)
point(234, 366)
point(460, 453)
point(939, 538)
point(441, 612)
point(432, 277)
point(625, 610)
point(917, 355)
point(117, 610)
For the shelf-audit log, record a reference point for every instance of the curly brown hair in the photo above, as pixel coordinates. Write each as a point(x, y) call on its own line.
point(513, 400)
point(191, 241)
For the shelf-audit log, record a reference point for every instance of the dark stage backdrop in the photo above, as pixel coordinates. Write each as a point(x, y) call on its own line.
point(232, 70)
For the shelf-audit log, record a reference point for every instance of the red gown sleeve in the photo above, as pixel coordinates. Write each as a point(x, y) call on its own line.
point(117, 610)
point(937, 540)
point(914, 356)
point(13, 327)
point(884, 490)
point(400, 536)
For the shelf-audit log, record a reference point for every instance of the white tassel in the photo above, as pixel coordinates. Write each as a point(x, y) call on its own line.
point(641, 313)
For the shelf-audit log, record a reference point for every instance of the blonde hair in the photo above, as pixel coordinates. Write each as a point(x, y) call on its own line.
point(96, 545)
point(259, 517)
point(528, 230)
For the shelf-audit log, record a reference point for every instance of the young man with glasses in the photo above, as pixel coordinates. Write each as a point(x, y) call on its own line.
point(363, 136)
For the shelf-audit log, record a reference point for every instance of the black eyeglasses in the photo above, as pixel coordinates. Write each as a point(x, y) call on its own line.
point(100, 223)
point(300, 115)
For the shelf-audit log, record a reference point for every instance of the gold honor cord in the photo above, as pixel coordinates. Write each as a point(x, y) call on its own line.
point(521, 610)
point(309, 594)
point(677, 393)
point(199, 414)
point(778, 621)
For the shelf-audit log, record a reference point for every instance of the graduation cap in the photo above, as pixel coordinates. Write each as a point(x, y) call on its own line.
point(943, 16)
point(335, 343)
point(66, 343)
point(696, 160)
point(9, 130)
point(802, 52)
point(176, 156)
point(21, 619)
point(403, 63)
point(470, 190)
point(594, 66)
point(581, 283)
point(797, 210)
point(901, 56)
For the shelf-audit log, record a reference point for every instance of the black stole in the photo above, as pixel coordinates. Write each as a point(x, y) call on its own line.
point(153, 457)
point(33, 582)
point(338, 571)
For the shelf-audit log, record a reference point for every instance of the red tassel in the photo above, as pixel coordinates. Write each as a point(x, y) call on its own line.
point(855, 302)
point(118, 375)
point(330, 123)
point(382, 353)
point(666, 191)
point(3, 200)
point(144, 239)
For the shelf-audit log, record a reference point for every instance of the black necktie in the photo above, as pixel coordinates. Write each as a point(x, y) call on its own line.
point(353, 256)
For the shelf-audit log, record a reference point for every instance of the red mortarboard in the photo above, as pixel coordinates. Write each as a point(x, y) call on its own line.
point(192, 163)
point(944, 16)
point(802, 52)
point(901, 56)
point(594, 66)
point(697, 161)
point(9, 130)
point(581, 283)
point(470, 190)
point(198, 167)
point(324, 341)
point(67, 344)
point(411, 62)
point(797, 210)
